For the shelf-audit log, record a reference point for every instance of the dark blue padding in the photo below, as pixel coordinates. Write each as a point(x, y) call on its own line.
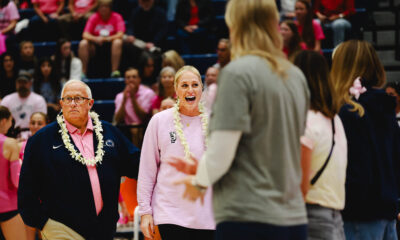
point(200, 61)
point(105, 109)
point(105, 88)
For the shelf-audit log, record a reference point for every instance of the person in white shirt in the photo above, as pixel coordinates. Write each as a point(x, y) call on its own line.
point(23, 103)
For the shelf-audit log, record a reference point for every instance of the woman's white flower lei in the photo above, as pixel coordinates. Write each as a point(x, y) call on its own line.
point(77, 155)
point(179, 128)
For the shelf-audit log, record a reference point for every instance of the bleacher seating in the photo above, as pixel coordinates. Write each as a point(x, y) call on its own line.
point(105, 88)
point(105, 109)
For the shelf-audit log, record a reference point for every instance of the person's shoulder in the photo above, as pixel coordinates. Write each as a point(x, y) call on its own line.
point(11, 143)
point(163, 115)
point(316, 23)
point(11, 5)
point(36, 97)
point(146, 90)
point(8, 98)
point(76, 60)
point(95, 16)
point(116, 15)
point(119, 96)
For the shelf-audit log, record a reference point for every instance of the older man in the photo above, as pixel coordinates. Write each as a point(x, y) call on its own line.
point(210, 91)
point(70, 178)
point(223, 53)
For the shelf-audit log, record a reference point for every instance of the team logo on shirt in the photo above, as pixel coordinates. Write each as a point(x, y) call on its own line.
point(110, 143)
point(172, 135)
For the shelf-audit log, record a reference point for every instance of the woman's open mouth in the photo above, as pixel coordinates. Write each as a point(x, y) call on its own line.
point(190, 98)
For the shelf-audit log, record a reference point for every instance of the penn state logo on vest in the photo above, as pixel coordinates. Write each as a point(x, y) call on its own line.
point(172, 135)
point(110, 143)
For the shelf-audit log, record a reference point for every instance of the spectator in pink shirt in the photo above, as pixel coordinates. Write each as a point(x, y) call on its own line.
point(73, 23)
point(43, 25)
point(11, 222)
point(310, 30)
point(133, 105)
point(8, 20)
point(105, 27)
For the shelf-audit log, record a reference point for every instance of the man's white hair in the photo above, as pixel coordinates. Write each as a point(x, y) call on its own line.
point(87, 88)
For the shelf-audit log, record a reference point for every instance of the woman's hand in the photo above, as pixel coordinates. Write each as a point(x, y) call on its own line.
point(183, 166)
point(192, 193)
point(147, 226)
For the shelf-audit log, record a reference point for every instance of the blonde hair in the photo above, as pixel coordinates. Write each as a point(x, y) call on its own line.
point(173, 59)
point(184, 69)
point(353, 59)
point(253, 26)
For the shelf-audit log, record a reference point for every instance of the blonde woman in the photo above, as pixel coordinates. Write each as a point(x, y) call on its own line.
point(173, 59)
point(253, 159)
point(179, 131)
point(166, 88)
point(368, 116)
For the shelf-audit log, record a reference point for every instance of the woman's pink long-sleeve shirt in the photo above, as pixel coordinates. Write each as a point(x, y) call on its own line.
point(157, 194)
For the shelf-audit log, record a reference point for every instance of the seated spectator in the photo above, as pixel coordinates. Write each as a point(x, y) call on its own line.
point(287, 9)
point(223, 53)
point(8, 20)
point(166, 88)
point(23, 103)
point(47, 84)
point(291, 39)
point(309, 29)
point(210, 91)
point(27, 60)
point(147, 26)
point(103, 28)
point(66, 65)
point(194, 19)
point(72, 23)
point(173, 59)
point(8, 74)
point(133, 105)
point(393, 89)
point(43, 26)
point(333, 14)
point(147, 70)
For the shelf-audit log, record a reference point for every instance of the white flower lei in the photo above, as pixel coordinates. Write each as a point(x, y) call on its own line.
point(77, 155)
point(179, 128)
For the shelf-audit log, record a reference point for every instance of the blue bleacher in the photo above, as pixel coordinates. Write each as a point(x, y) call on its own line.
point(105, 109)
point(46, 49)
point(105, 88)
point(200, 61)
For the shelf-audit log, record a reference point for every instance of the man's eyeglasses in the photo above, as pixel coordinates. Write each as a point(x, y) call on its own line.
point(77, 100)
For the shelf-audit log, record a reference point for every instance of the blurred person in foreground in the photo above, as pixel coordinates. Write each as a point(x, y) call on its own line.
point(253, 158)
